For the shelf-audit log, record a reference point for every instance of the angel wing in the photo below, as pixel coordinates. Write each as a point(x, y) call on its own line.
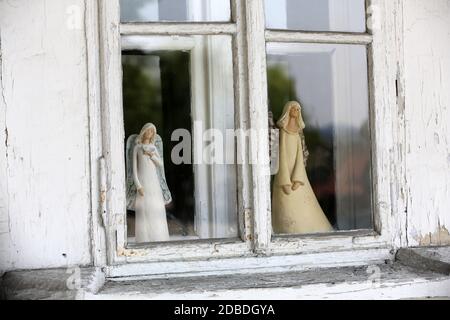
point(161, 173)
point(274, 146)
point(131, 187)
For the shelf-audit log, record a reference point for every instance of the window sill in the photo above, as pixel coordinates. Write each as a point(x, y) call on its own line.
point(396, 282)
point(417, 273)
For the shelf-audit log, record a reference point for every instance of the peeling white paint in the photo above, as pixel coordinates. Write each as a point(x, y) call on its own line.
point(420, 289)
point(364, 282)
point(427, 115)
point(45, 113)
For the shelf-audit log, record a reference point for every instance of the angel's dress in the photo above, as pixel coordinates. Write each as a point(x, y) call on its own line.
point(299, 212)
point(151, 222)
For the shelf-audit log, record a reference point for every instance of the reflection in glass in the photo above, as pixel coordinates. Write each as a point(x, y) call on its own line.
point(174, 83)
point(174, 10)
point(331, 84)
point(317, 15)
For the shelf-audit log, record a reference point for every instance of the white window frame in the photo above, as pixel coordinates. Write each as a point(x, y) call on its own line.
point(258, 249)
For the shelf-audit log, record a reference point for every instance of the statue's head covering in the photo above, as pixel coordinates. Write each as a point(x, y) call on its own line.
point(284, 119)
point(144, 129)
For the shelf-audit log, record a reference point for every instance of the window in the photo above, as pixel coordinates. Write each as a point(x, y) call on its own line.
point(218, 76)
point(331, 83)
point(184, 86)
point(174, 10)
point(322, 15)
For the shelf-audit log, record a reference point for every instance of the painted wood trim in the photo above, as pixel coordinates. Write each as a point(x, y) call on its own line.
point(149, 43)
point(366, 282)
point(258, 118)
point(387, 121)
point(317, 37)
point(278, 263)
point(98, 241)
point(330, 243)
point(112, 126)
point(185, 251)
point(175, 28)
point(244, 177)
point(252, 113)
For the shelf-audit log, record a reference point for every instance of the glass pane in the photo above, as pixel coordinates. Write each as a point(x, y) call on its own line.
point(317, 15)
point(184, 87)
point(174, 10)
point(330, 83)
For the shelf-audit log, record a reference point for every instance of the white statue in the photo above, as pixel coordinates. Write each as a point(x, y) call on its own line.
point(147, 191)
point(295, 208)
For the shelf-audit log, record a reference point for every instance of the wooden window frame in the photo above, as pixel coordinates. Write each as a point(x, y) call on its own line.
point(257, 248)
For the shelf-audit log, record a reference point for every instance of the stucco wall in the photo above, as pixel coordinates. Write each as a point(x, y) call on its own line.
point(44, 172)
point(44, 138)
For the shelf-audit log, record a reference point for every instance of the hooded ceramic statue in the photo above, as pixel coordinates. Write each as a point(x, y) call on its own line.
point(295, 208)
point(147, 191)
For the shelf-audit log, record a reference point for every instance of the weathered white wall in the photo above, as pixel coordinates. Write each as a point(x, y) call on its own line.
point(44, 169)
point(427, 113)
point(44, 138)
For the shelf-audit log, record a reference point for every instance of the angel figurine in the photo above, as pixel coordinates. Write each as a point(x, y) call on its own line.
point(147, 191)
point(295, 208)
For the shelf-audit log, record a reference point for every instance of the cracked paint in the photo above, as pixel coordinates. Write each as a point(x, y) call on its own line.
point(43, 116)
point(427, 78)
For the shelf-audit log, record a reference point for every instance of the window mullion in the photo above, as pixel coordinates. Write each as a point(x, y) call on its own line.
point(244, 179)
point(176, 28)
point(112, 127)
point(318, 37)
point(257, 102)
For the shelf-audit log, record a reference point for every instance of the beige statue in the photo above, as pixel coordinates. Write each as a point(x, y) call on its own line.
point(295, 208)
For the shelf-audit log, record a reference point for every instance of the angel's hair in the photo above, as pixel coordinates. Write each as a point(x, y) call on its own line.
point(143, 130)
